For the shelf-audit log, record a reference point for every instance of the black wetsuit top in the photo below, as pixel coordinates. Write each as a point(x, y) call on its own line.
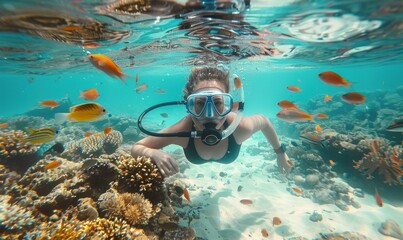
point(232, 151)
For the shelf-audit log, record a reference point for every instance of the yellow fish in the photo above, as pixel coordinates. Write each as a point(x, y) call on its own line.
point(39, 136)
point(81, 113)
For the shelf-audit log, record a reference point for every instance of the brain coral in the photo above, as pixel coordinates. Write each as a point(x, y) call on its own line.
point(139, 174)
point(132, 207)
point(95, 145)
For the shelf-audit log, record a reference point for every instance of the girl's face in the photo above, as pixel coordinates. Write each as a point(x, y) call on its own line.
point(199, 122)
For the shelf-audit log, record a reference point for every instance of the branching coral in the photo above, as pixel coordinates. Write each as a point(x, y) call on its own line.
point(14, 153)
point(384, 158)
point(139, 174)
point(103, 228)
point(95, 145)
point(132, 207)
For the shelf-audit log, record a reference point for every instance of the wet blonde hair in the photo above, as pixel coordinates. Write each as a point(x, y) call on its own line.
point(199, 74)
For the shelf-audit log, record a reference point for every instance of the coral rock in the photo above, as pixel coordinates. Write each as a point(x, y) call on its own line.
point(16, 154)
point(94, 145)
point(132, 207)
point(391, 228)
point(139, 174)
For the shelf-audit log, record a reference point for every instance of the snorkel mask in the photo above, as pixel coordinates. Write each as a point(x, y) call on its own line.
point(208, 104)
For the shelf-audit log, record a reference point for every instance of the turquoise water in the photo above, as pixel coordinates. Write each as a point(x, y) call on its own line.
point(44, 50)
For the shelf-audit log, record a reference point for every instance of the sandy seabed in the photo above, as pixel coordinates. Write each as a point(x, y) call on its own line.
point(214, 192)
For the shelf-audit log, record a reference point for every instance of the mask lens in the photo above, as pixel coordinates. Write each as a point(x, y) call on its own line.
point(222, 104)
point(196, 104)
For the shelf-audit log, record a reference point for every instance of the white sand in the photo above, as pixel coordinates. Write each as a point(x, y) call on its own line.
point(222, 216)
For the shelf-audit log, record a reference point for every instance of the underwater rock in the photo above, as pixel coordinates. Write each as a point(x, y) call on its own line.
point(340, 187)
point(344, 235)
point(343, 206)
point(359, 192)
point(23, 122)
point(86, 209)
point(299, 180)
point(284, 230)
point(391, 228)
point(181, 233)
point(324, 196)
point(43, 180)
point(311, 180)
point(315, 217)
point(131, 134)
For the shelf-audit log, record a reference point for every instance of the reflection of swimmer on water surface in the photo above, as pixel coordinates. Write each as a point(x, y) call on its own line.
point(217, 27)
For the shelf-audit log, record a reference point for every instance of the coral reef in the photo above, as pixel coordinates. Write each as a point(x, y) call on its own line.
point(139, 175)
point(387, 160)
point(14, 218)
point(99, 174)
point(15, 154)
point(103, 228)
point(132, 207)
point(94, 145)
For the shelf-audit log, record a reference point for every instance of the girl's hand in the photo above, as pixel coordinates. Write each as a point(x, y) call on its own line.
point(284, 164)
point(165, 163)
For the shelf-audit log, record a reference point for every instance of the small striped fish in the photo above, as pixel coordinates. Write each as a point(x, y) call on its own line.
point(395, 127)
point(81, 112)
point(39, 136)
point(313, 139)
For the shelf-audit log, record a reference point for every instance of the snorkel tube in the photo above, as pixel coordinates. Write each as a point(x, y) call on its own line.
point(210, 135)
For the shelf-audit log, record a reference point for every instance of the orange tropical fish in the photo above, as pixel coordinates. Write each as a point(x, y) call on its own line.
point(378, 198)
point(237, 82)
point(159, 90)
point(142, 87)
point(331, 162)
point(318, 128)
point(107, 65)
point(294, 88)
point(297, 190)
point(294, 115)
point(89, 94)
point(53, 164)
point(265, 233)
point(50, 103)
point(276, 221)
point(3, 125)
point(186, 194)
point(321, 115)
point(286, 104)
point(353, 97)
point(87, 134)
point(246, 201)
point(137, 78)
point(91, 45)
point(327, 98)
point(333, 78)
point(107, 130)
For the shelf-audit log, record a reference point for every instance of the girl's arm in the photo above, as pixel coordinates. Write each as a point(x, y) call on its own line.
point(251, 124)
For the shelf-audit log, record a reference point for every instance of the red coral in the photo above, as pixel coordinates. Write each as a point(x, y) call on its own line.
point(385, 158)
